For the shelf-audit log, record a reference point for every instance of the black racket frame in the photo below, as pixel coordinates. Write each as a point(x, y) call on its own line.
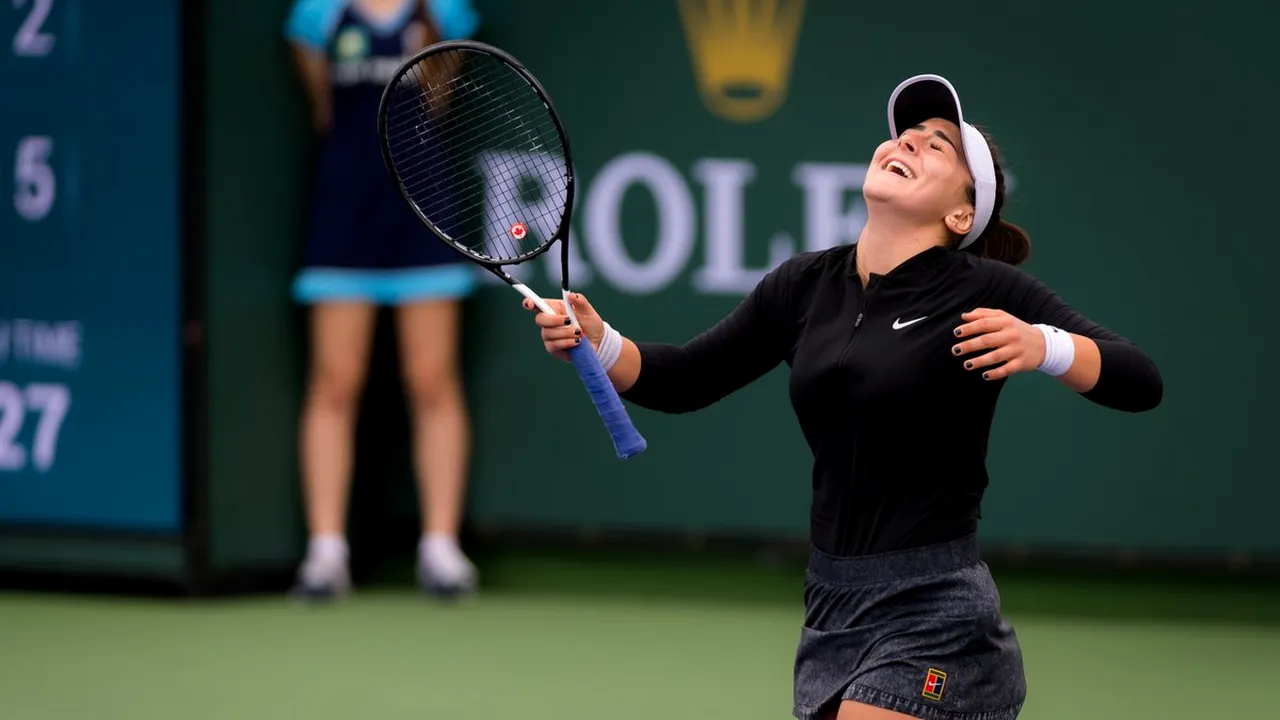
point(562, 231)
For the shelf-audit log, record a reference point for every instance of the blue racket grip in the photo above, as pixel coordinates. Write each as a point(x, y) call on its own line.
point(627, 441)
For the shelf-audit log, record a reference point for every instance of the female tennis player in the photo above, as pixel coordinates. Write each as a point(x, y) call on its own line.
point(366, 248)
point(899, 346)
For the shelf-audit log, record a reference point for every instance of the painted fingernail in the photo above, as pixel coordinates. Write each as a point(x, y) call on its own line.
point(986, 376)
point(968, 364)
point(955, 350)
point(577, 340)
point(566, 321)
point(957, 332)
point(577, 332)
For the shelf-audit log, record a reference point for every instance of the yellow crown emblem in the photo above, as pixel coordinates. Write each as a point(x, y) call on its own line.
point(742, 52)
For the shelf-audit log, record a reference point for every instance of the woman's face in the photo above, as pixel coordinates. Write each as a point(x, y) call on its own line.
point(924, 174)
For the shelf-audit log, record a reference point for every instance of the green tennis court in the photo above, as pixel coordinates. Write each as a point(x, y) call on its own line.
point(565, 638)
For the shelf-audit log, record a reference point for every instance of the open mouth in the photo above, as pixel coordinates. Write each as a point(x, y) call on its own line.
point(898, 168)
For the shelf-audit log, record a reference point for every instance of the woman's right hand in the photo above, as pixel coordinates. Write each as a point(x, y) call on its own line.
point(558, 335)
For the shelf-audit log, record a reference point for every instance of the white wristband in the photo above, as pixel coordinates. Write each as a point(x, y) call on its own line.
point(1059, 350)
point(610, 347)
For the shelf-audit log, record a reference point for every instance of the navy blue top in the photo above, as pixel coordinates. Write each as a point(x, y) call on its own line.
point(897, 427)
point(358, 219)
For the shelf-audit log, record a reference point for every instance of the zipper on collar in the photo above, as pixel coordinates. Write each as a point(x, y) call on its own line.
point(857, 321)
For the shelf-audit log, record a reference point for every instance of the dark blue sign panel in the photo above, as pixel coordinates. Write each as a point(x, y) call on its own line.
point(90, 264)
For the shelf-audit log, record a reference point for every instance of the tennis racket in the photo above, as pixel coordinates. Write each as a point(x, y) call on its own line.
point(476, 148)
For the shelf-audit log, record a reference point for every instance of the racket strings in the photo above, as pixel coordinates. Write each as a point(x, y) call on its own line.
point(477, 151)
point(451, 123)
point(418, 175)
point(428, 122)
point(508, 172)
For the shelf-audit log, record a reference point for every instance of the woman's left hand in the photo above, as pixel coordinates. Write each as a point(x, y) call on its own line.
point(1005, 338)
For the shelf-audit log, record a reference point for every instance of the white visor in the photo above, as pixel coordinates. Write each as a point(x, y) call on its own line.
point(923, 97)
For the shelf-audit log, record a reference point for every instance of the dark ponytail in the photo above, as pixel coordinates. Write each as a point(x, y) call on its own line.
point(1001, 240)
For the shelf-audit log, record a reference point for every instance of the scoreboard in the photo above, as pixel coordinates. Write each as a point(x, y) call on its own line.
point(90, 265)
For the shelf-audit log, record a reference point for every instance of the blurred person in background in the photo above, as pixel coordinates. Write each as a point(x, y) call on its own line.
point(366, 248)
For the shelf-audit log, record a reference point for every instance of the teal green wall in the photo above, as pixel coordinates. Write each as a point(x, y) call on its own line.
point(257, 152)
point(1140, 146)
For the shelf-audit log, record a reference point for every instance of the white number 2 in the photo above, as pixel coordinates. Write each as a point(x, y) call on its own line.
point(35, 184)
point(12, 412)
point(31, 40)
point(51, 402)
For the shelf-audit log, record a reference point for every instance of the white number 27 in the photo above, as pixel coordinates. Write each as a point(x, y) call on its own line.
point(51, 402)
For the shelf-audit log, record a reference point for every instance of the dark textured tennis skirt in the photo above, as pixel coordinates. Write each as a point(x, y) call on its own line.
point(366, 244)
point(917, 632)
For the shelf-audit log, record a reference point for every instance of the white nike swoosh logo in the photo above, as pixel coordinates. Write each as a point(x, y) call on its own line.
point(898, 324)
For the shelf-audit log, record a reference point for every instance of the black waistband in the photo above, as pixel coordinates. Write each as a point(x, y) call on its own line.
point(883, 567)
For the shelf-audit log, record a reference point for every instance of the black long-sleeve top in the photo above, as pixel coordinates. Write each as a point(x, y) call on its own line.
point(897, 427)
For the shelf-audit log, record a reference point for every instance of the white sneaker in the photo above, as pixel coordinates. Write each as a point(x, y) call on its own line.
point(444, 571)
point(322, 579)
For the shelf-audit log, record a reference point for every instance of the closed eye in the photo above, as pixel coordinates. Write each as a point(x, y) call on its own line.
point(935, 146)
point(938, 134)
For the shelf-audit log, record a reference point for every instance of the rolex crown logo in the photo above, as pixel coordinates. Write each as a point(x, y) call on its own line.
point(742, 52)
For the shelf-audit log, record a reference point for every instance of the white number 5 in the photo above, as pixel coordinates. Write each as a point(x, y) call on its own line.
point(31, 40)
point(51, 401)
point(35, 183)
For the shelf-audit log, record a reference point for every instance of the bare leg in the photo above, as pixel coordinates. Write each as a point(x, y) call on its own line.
point(340, 339)
point(850, 710)
point(429, 341)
